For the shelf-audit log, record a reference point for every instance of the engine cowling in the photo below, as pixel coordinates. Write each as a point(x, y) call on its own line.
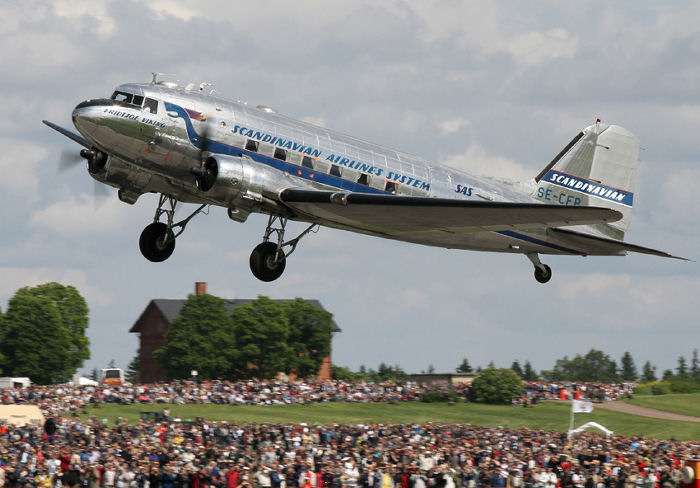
point(226, 177)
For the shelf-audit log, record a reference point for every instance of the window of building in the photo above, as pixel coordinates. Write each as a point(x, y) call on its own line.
point(280, 154)
point(335, 170)
point(307, 162)
point(251, 145)
point(363, 179)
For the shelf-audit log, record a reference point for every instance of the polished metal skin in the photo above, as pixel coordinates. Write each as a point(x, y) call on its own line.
point(196, 147)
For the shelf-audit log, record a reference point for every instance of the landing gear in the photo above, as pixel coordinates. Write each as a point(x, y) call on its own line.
point(267, 262)
point(268, 259)
point(543, 273)
point(157, 241)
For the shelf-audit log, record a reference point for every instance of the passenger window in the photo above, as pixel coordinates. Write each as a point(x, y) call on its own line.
point(335, 170)
point(280, 154)
point(151, 106)
point(390, 187)
point(138, 100)
point(363, 179)
point(307, 162)
point(251, 145)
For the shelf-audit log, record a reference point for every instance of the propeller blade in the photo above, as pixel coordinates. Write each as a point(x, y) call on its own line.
point(68, 159)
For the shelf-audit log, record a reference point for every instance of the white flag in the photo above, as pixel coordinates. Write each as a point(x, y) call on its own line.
point(577, 406)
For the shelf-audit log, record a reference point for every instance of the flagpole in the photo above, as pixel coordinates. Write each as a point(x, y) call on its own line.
point(571, 421)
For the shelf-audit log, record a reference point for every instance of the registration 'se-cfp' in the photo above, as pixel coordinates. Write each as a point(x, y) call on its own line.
point(190, 145)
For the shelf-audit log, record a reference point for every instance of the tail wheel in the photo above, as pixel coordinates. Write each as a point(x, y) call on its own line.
point(153, 243)
point(265, 263)
point(543, 275)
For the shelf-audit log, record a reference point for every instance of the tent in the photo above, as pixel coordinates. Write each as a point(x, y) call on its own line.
point(590, 425)
point(83, 381)
point(21, 415)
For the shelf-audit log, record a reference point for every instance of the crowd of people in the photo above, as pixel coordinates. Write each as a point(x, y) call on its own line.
point(58, 399)
point(203, 454)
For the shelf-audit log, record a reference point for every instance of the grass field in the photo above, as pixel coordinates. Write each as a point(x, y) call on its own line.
point(548, 415)
point(685, 403)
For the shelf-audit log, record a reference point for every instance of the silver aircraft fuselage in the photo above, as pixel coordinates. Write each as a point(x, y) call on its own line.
point(200, 148)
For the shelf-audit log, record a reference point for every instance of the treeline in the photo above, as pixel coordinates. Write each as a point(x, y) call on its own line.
point(257, 340)
point(42, 333)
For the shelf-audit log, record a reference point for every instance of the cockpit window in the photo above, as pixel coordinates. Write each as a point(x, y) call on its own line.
point(150, 106)
point(122, 97)
point(138, 100)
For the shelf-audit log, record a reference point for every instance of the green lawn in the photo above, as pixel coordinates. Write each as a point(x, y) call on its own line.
point(684, 403)
point(548, 415)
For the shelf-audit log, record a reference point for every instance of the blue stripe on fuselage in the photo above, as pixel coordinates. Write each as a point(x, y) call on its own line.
point(284, 166)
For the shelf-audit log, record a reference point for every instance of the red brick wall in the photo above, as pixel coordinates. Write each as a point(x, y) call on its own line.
point(153, 328)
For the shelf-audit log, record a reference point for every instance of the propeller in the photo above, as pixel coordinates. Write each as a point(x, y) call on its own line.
point(68, 159)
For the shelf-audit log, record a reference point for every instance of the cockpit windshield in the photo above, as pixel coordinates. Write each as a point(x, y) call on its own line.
point(125, 97)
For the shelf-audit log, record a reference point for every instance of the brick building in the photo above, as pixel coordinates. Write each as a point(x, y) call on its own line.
point(155, 321)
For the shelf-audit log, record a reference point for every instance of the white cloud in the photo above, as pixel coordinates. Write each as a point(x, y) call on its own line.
point(19, 160)
point(82, 214)
point(14, 278)
point(477, 160)
point(453, 125)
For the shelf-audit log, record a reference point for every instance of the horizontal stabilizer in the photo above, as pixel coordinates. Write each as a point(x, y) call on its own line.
point(399, 215)
point(605, 246)
point(70, 134)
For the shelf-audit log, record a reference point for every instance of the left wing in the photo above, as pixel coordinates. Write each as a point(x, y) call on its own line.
point(402, 215)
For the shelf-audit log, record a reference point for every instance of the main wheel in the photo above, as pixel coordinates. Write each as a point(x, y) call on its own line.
point(543, 276)
point(152, 243)
point(263, 263)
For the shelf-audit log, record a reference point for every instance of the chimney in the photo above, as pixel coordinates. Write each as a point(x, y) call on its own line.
point(200, 287)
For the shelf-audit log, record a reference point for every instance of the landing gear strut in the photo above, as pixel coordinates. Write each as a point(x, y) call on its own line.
point(157, 241)
point(268, 259)
point(543, 273)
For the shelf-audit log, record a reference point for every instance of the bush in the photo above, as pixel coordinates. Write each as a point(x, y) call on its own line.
point(681, 386)
point(497, 386)
point(661, 388)
point(440, 392)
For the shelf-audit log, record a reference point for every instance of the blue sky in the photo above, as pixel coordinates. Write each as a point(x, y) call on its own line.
point(495, 88)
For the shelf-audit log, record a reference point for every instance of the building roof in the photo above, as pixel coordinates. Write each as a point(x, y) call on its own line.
point(170, 308)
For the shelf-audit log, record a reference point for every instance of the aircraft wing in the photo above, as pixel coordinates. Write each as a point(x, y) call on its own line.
point(404, 215)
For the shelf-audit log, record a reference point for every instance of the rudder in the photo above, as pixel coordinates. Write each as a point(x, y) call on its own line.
point(597, 168)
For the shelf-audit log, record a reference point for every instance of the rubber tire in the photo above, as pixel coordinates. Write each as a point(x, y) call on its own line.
point(148, 243)
point(543, 276)
point(261, 262)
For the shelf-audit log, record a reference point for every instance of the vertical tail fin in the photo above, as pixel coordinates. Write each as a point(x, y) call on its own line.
point(597, 168)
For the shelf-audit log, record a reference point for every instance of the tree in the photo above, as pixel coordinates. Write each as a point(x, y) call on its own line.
point(595, 366)
point(682, 369)
point(201, 338)
point(310, 331)
point(628, 370)
point(133, 370)
point(667, 375)
point(464, 367)
point(262, 332)
point(515, 367)
point(35, 341)
point(529, 374)
point(497, 386)
point(695, 366)
point(73, 313)
point(94, 375)
point(648, 373)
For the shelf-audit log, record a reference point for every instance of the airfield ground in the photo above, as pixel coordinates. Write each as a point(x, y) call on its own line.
point(547, 415)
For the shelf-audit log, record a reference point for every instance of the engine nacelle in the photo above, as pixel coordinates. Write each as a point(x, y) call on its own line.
point(229, 177)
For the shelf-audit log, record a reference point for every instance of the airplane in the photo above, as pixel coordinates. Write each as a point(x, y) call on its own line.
point(191, 145)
